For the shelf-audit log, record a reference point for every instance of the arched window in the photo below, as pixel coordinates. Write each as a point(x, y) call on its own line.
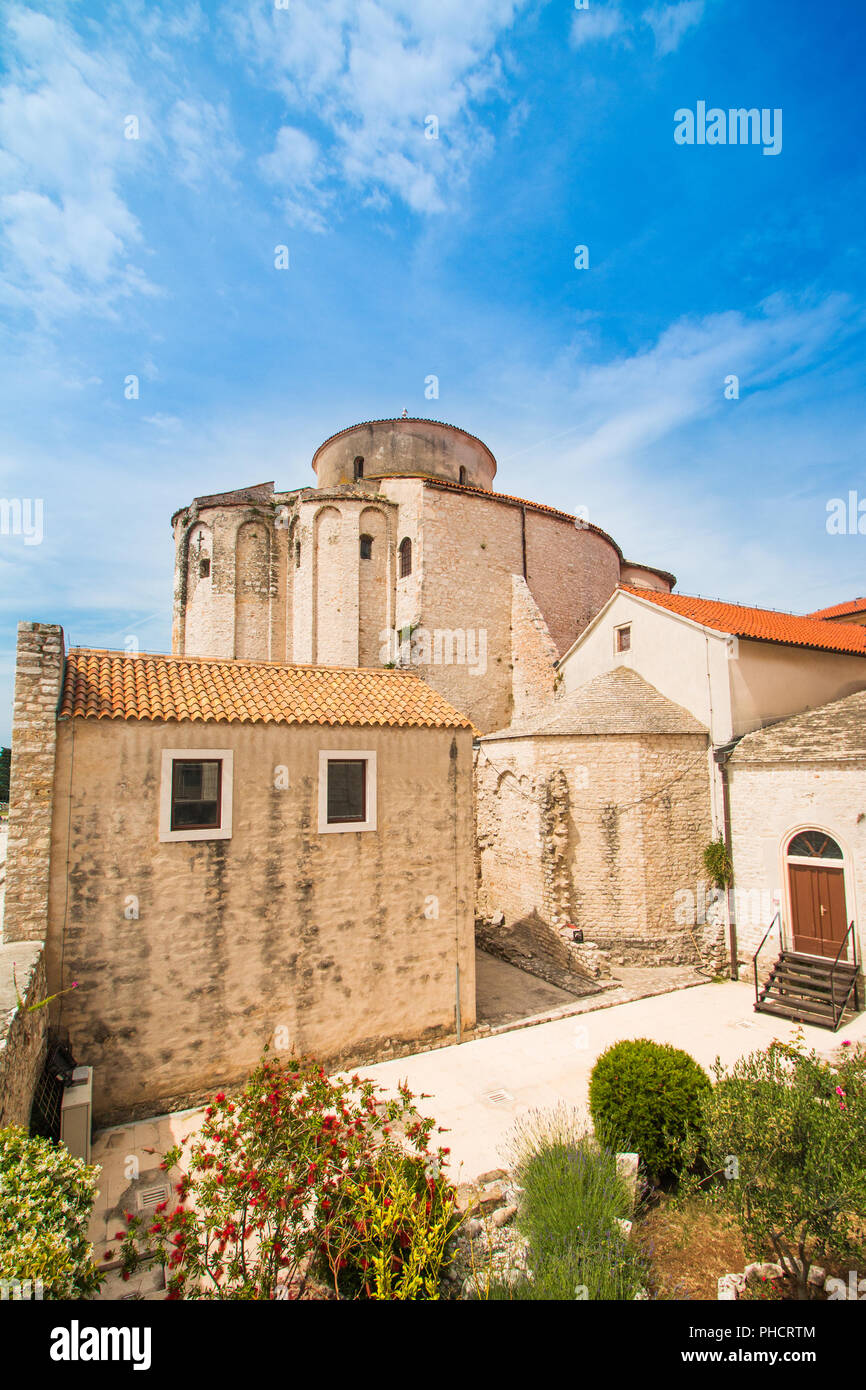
point(358, 468)
point(297, 554)
point(366, 547)
point(814, 844)
point(462, 476)
point(405, 557)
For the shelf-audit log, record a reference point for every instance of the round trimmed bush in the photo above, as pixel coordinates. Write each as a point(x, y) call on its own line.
point(645, 1097)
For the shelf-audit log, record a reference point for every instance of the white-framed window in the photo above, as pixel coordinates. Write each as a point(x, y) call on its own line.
point(347, 790)
point(622, 638)
point(195, 794)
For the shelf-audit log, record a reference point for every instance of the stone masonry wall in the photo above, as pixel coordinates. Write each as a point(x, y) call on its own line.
point(533, 653)
point(608, 832)
point(38, 677)
point(22, 1032)
point(191, 956)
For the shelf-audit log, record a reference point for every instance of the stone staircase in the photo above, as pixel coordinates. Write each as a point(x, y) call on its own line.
point(808, 990)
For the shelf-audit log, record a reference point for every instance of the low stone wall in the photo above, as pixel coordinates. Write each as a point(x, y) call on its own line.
point(533, 946)
point(22, 1033)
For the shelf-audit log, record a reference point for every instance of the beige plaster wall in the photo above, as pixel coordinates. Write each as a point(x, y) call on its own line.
point(278, 928)
point(682, 661)
point(769, 682)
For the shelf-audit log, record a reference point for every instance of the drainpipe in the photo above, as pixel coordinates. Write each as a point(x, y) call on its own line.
point(721, 756)
point(523, 537)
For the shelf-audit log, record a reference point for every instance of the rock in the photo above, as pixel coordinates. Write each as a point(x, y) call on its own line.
point(731, 1286)
point(817, 1276)
point(624, 1226)
point(498, 919)
point(627, 1166)
point(763, 1271)
point(641, 1294)
point(474, 1228)
point(467, 1198)
point(490, 1197)
point(504, 1215)
point(495, 1175)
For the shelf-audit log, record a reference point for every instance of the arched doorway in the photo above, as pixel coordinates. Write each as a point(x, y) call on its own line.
point(816, 889)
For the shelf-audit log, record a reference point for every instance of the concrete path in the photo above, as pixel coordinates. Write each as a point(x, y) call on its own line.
point(479, 1089)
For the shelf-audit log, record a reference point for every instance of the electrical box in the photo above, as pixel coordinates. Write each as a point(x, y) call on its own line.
point(76, 1111)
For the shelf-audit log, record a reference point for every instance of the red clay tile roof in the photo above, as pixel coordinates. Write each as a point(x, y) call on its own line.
point(762, 624)
point(840, 610)
point(116, 685)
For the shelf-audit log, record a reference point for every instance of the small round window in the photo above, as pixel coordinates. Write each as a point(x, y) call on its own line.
point(814, 844)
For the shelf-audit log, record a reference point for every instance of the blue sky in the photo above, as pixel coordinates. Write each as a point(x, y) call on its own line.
point(305, 126)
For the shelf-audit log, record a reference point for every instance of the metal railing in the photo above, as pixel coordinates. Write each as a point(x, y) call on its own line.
point(777, 918)
point(839, 1009)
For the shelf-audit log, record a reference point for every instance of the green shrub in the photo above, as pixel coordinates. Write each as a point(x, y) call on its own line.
point(645, 1097)
point(788, 1129)
point(572, 1198)
point(46, 1198)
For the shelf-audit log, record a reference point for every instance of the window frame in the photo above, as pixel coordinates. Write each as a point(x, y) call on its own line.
point(404, 549)
point(221, 831)
point(369, 540)
point(348, 755)
point(619, 630)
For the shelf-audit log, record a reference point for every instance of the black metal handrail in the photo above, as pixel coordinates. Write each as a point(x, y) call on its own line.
point(837, 1014)
point(777, 918)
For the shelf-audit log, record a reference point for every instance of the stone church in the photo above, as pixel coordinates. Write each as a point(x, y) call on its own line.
point(406, 715)
point(402, 552)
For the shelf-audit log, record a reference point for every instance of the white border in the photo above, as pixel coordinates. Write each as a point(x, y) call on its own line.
point(221, 832)
point(337, 755)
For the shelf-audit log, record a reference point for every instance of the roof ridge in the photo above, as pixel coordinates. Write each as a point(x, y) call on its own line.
point(242, 661)
point(784, 628)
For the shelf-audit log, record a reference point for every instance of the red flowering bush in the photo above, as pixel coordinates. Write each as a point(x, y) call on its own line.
point(388, 1228)
point(267, 1183)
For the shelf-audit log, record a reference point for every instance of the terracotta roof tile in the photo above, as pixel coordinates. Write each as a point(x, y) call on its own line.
point(841, 610)
point(762, 624)
point(116, 685)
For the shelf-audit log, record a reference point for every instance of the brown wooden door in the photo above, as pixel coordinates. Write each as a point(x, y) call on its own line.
point(818, 916)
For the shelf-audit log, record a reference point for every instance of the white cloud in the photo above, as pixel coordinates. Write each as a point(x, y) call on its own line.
point(601, 23)
point(69, 234)
point(204, 146)
point(596, 24)
point(367, 76)
point(670, 22)
point(72, 242)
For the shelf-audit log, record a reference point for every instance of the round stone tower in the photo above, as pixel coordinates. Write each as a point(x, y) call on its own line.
point(403, 448)
point(401, 553)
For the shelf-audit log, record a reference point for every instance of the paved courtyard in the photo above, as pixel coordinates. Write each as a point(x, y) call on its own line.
point(480, 1088)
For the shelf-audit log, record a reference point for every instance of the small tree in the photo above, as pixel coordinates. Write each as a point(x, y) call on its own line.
point(646, 1096)
point(46, 1199)
point(789, 1129)
point(284, 1179)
